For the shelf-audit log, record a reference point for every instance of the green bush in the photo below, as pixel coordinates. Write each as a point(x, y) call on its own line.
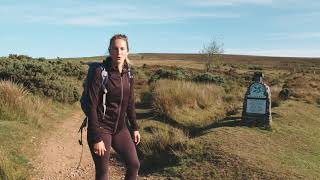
point(56, 79)
point(182, 74)
point(177, 74)
point(19, 57)
point(207, 77)
point(285, 93)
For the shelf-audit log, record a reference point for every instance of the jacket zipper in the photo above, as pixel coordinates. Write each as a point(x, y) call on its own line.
point(116, 126)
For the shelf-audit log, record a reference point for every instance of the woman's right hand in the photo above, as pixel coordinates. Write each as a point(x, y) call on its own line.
point(99, 148)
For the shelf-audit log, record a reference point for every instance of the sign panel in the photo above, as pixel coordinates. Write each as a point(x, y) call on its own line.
point(257, 106)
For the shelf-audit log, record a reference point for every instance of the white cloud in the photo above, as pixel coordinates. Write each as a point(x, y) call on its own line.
point(93, 14)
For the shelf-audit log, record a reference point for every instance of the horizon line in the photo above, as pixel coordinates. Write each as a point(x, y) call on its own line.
point(163, 53)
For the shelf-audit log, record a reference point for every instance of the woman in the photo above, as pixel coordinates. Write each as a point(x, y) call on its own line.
point(109, 129)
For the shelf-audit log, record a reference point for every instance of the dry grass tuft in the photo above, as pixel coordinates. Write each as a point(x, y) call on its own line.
point(188, 103)
point(12, 94)
point(305, 88)
point(17, 104)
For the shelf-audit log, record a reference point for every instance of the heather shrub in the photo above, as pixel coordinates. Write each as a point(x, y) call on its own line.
point(56, 79)
point(208, 78)
point(182, 74)
point(285, 93)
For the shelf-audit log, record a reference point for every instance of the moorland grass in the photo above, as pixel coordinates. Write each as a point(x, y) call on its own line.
point(218, 147)
point(228, 149)
point(289, 151)
point(191, 105)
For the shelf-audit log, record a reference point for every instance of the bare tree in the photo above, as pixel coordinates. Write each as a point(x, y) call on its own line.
point(213, 52)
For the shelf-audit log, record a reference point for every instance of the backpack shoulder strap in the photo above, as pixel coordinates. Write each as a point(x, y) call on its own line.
point(130, 75)
point(130, 72)
point(104, 75)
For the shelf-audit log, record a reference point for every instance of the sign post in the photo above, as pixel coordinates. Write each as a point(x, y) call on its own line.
point(257, 103)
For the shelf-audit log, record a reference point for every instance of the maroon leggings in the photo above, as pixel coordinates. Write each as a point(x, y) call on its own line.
point(123, 144)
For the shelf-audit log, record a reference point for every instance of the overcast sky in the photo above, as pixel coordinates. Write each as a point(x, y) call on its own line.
point(70, 28)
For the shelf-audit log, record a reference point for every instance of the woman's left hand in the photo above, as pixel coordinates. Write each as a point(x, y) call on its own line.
point(137, 137)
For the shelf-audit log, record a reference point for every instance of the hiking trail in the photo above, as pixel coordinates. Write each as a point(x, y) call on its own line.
point(59, 154)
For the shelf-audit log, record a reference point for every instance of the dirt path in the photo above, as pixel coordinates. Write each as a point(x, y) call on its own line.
point(60, 152)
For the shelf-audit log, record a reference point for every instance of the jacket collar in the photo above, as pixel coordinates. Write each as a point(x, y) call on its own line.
point(109, 66)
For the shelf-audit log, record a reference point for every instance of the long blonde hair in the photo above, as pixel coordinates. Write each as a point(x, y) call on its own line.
point(123, 37)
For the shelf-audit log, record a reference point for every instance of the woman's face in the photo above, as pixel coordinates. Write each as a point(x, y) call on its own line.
point(119, 51)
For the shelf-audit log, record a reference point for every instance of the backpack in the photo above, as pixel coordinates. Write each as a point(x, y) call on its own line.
point(84, 100)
